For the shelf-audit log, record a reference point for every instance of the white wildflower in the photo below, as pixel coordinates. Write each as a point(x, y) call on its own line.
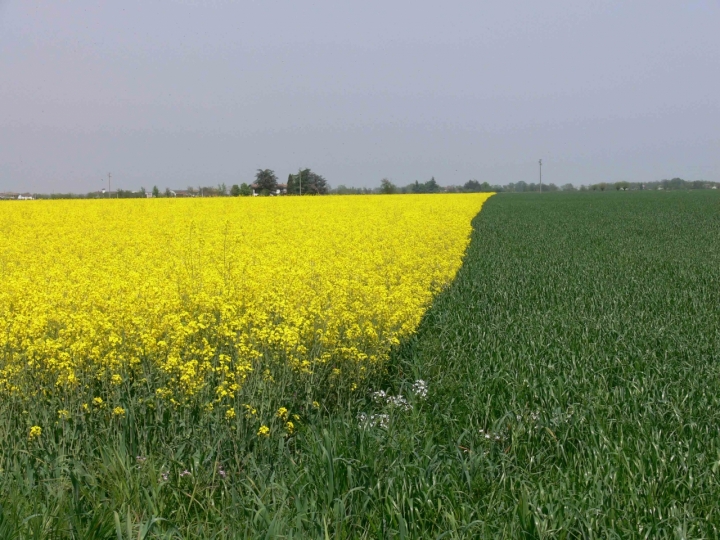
point(420, 389)
point(374, 420)
point(399, 401)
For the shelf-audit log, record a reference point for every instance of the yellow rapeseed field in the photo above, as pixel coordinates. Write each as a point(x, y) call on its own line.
point(193, 295)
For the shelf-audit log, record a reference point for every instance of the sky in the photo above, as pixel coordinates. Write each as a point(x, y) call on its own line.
point(188, 93)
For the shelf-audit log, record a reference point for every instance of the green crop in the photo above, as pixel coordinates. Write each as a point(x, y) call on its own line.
point(584, 331)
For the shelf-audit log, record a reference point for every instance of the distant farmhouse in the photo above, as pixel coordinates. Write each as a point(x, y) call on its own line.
point(16, 196)
point(281, 190)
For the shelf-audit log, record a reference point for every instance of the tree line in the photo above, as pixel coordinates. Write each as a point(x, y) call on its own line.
point(307, 182)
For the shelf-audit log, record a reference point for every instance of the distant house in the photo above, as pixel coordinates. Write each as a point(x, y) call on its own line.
point(182, 193)
point(16, 196)
point(281, 190)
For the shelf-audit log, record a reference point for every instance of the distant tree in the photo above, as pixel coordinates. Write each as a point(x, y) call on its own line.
point(143, 192)
point(245, 190)
point(155, 191)
point(472, 186)
point(676, 183)
point(603, 186)
point(344, 190)
point(222, 188)
point(316, 183)
point(306, 182)
point(569, 187)
point(387, 187)
point(167, 192)
point(266, 180)
point(431, 186)
point(622, 186)
point(235, 190)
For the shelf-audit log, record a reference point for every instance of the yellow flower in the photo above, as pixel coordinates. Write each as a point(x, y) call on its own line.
point(264, 431)
point(118, 411)
point(357, 285)
point(282, 413)
point(290, 427)
point(85, 407)
point(230, 414)
point(34, 433)
point(63, 414)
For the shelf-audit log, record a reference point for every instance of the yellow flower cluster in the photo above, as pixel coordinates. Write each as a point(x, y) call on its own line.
point(191, 295)
point(34, 433)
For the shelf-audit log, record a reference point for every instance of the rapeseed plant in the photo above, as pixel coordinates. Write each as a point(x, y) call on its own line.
point(188, 298)
point(34, 432)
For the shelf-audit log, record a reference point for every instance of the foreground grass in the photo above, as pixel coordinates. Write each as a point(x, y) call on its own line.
point(573, 371)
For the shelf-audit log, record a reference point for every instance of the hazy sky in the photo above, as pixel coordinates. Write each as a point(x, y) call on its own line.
point(179, 93)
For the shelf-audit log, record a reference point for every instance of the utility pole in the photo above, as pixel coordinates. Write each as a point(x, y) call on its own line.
point(109, 176)
point(540, 163)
